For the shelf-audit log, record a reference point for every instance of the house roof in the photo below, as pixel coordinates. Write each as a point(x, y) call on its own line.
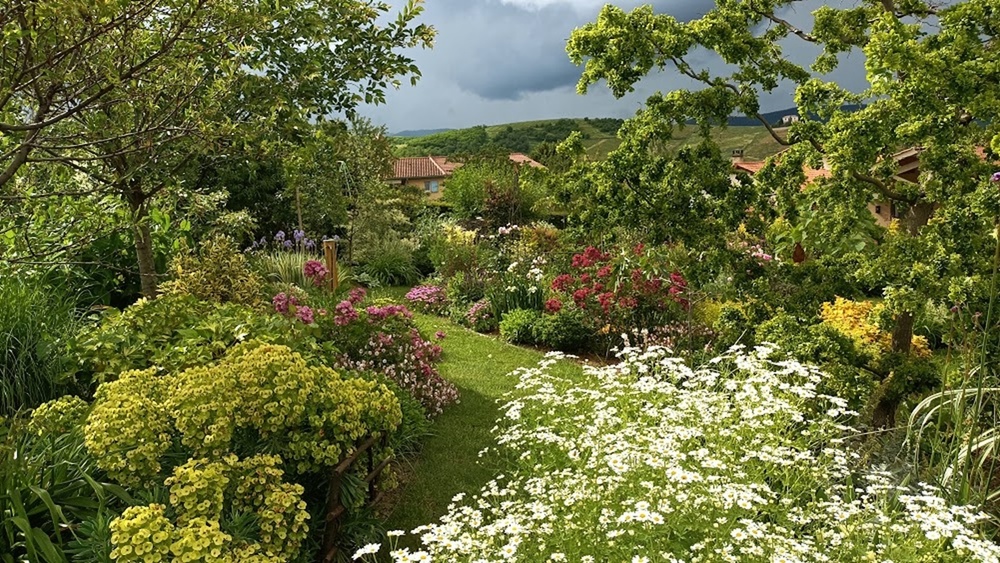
point(755, 166)
point(750, 167)
point(521, 158)
point(440, 167)
point(419, 167)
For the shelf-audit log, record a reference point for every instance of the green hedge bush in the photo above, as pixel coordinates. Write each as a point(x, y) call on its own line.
point(518, 326)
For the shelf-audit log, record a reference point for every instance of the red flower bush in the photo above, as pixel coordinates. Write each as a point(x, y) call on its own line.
point(618, 292)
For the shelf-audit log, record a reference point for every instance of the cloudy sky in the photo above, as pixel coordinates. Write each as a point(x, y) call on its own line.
point(499, 61)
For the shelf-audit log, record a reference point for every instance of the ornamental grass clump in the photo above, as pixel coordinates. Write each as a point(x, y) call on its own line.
point(650, 460)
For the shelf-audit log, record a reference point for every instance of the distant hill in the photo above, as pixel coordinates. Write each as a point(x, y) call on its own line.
point(525, 137)
point(419, 132)
point(536, 138)
point(774, 117)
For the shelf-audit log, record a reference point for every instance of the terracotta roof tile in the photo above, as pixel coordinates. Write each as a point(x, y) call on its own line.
point(520, 158)
point(750, 167)
point(417, 167)
point(753, 167)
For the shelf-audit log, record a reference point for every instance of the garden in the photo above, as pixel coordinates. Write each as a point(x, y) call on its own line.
point(226, 337)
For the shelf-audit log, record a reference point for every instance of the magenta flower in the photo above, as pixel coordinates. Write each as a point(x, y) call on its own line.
point(282, 301)
point(439, 335)
point(315, 270)
point(357, 295)
point(304, 314)
point(344, 313)
point(995, 177)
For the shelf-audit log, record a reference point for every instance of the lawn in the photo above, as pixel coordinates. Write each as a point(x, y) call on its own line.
point(449, 462)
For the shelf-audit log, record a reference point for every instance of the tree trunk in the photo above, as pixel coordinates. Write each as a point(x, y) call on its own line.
point(884, 415)
point(138, 204)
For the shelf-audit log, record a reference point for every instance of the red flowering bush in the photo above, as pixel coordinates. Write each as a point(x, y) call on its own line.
point(619, 292)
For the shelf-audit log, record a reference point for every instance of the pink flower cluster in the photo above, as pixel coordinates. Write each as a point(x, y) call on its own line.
point(344, 313)
point(408, 360)
point(316, 271)
point(479, 315)
point(283, 301)
point(428, 299)
point(357, 295)
point(386, 311)
point(290, 305)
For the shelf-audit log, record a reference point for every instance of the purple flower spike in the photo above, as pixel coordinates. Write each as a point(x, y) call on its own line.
point(298, 235)
point(310, 244)
point(287, 244)
point(995, 177)
point(279, 236)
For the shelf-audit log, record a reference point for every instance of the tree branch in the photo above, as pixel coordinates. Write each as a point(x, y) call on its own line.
point(786, 24)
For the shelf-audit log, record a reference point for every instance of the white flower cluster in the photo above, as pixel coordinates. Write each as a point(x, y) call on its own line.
point(649, 460)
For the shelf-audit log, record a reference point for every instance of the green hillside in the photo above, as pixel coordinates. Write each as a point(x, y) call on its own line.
point(524, 137)
point(756, 142)
point(599, 135)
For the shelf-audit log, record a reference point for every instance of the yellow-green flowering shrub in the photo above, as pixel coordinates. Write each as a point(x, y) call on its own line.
point(129, 429)
point(258, 398)
point(58, 416)
point(265, 393)
point(200, 492)
point(197, 488)
point(142, 533)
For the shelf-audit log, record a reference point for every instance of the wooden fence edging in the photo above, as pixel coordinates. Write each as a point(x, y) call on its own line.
point(335, 509)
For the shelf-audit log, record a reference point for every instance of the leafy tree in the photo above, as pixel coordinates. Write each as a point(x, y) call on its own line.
point(489, 191)
point(933, 83)
point(338, 177)
point(230, 66)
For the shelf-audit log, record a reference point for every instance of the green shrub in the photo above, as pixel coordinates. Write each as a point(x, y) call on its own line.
point(932, 322)
point(35, 321)
point(52, 495)
point(517, 326)
point(218, 272)
point(390, 263)
point(565, 331)
point(174, 332)
point(465, 288)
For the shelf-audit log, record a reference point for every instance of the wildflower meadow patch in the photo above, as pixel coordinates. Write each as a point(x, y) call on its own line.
point(649, 460)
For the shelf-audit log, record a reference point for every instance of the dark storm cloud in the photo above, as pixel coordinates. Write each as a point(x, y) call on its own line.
point(509, 49)
point(498, 61)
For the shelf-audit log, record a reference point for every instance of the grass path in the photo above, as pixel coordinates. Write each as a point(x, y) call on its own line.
point(449, 462)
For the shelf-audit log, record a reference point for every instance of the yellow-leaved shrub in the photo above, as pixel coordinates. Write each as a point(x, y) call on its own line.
point(854, 319)
point(218, 272)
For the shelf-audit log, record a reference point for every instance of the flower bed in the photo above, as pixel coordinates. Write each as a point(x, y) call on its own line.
point(649, 460)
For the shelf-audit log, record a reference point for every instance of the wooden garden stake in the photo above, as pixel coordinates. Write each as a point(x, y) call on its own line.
point(330, 251)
